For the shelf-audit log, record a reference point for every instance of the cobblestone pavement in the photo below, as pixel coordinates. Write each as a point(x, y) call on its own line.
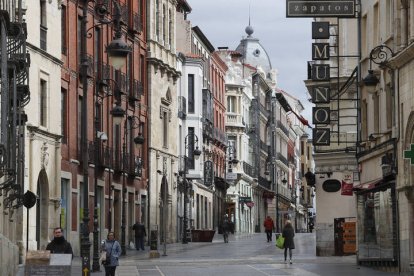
point(247, 254)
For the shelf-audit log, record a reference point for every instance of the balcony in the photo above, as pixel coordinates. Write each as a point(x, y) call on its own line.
point(122, 81)
point(103, 73)
point(136, 91)
point(182, 107)
point(248, 169)
point(265, 183)
point(208, 130)
point(133, 165)
point(282, 159)
point(233, 119)
point(220, 136)
point(282, 127)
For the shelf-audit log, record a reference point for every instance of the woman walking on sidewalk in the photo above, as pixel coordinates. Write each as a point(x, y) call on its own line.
point(113, 251)
point(288, 233)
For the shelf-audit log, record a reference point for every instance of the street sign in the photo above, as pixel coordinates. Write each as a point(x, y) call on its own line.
point(320, 8)
point(409, 154)
point(245, 199)
point(231, 176)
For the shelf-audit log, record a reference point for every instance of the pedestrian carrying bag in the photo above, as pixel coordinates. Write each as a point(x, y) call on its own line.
point(280, 242)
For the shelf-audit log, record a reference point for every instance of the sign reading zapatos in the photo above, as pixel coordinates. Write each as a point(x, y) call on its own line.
point(320, 8)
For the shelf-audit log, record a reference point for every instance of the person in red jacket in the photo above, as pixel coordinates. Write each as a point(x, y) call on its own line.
point(269, 226)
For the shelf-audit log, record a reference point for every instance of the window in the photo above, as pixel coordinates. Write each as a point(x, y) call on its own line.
point(376, 23)
point(98, 51)
point(165, 129)
point(376, 113)
point(43, 25)
point(79, 40)
point(190, 146)
point(231, 104)
point(157, 19)
point(64, 30)
point(43, 103)
point(170, 30)
point(191, 93)
point(389, 103)
point(164, 25)
point(64, 207)
point(64, 125)
point(80, 99)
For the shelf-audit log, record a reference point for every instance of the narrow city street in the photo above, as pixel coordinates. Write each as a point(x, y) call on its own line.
point(247, 254)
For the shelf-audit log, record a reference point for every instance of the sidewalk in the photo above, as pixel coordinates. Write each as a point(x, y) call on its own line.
point(126, 269)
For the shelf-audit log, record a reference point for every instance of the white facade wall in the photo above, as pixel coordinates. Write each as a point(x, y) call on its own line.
point(42, 145)
point(162, 101)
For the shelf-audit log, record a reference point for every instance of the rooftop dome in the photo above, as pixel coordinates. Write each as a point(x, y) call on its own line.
point(253, 52)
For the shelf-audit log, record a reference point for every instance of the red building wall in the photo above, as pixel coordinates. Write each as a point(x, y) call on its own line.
point(134, 100)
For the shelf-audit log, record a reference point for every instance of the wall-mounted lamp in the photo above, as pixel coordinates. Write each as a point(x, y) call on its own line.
point(371, 81)
point(102, 136)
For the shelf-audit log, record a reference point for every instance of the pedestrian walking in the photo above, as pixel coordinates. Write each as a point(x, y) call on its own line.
point(59, 245)
point(140, 233)
point(269, 226)
point(288, 233)
point(113, 251)
point(226, 229)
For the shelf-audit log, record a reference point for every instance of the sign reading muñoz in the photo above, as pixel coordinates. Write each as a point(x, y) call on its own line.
point(320, 8)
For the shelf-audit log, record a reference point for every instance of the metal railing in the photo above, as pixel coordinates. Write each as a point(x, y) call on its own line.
point(248, 169)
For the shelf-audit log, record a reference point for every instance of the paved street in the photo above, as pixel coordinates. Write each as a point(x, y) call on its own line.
point(243, 255)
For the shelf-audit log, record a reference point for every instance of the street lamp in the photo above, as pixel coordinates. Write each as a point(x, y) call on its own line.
point(116, 50)
point(379, 55)
point(284, 181)
point(196, 153)
point(134, 122)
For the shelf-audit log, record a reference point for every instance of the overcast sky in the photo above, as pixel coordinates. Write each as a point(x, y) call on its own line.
point(287, 41)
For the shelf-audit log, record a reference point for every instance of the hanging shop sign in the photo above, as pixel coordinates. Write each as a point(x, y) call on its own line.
point(320, 8)
point(321, 136)
point(331, 186)
point(346, 188)
point(321, 115)
point(320, 51)
point(208, 173)
point(320, 30)
point(321, 94)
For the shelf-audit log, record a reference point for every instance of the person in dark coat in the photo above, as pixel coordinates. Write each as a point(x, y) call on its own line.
point(288, 233)
point(59, 245)
point(113, 251)
point(140, 233)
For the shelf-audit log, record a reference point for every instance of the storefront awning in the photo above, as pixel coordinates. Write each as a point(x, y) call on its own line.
point(374, 186)
point(366, 186)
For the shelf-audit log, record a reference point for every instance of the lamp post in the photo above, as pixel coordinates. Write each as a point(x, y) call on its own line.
point(117, 50)
point(196, 153)
point(134, 122)
point(284, 181)
point(232, 161)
